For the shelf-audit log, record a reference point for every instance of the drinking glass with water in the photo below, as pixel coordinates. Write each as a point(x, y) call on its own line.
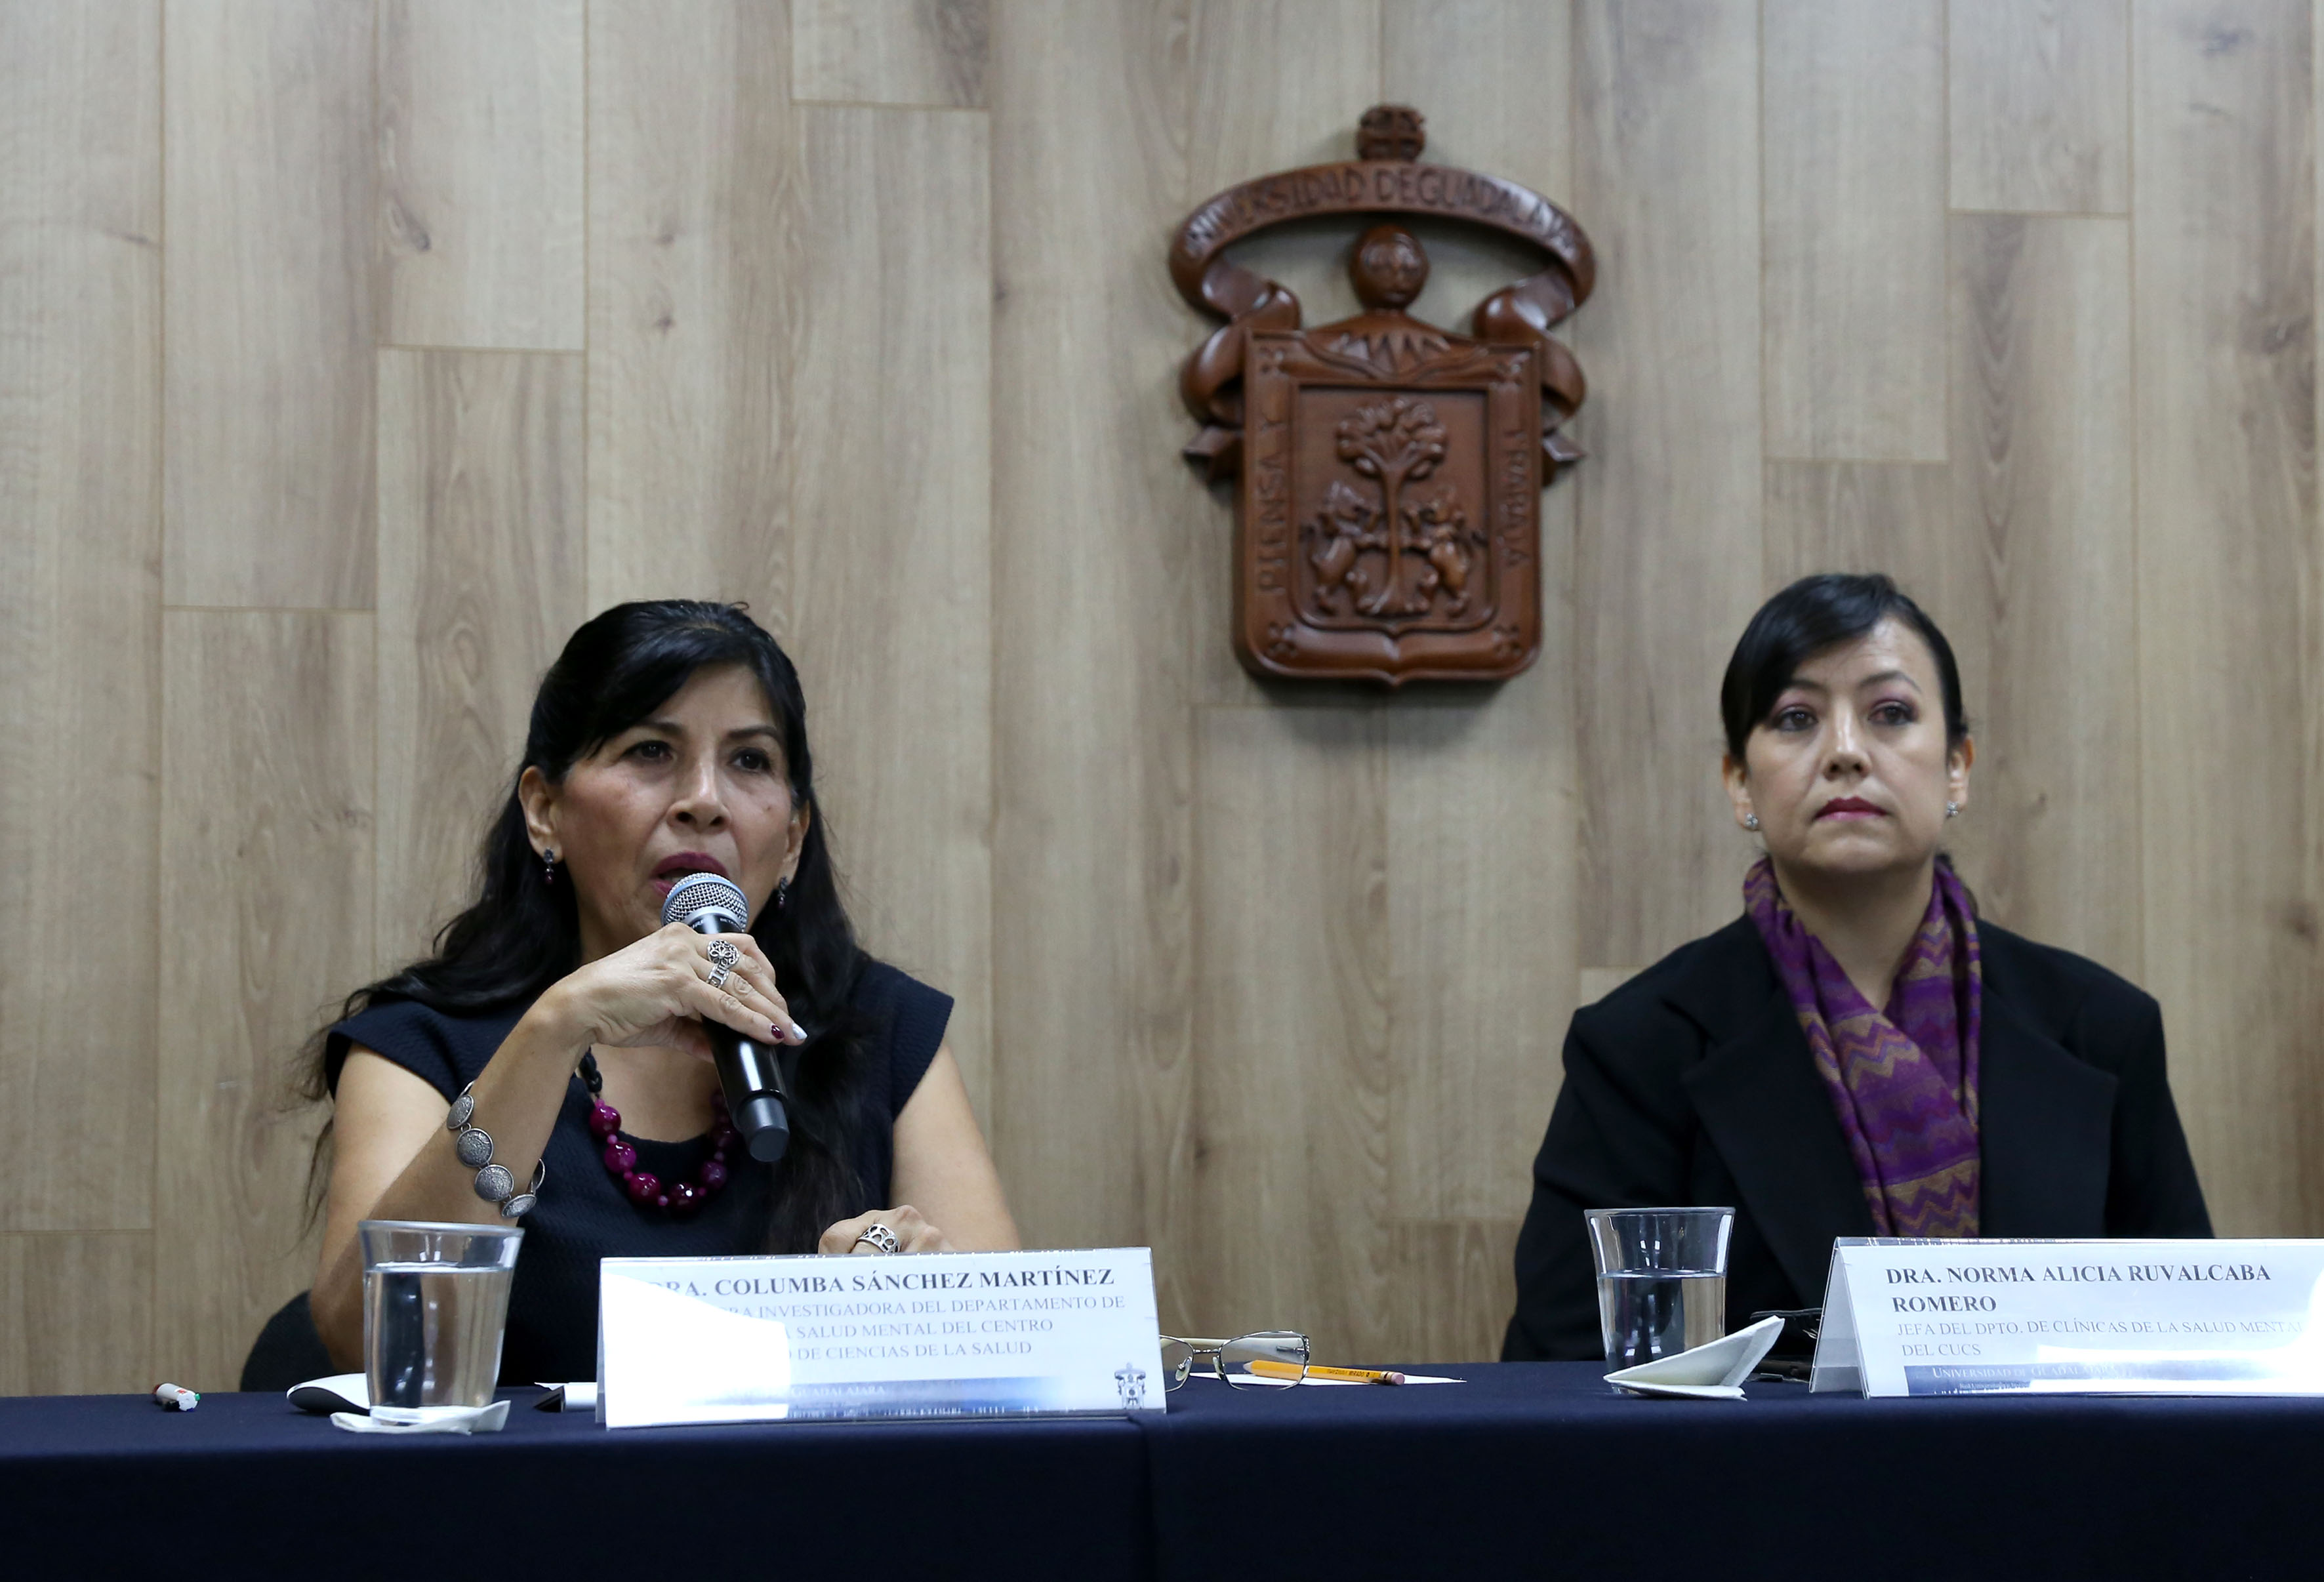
point(1662, 1280)
point(435, 1303)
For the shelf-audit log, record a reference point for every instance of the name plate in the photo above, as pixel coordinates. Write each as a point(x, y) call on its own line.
point(2128, 1317)
point(922, 1335)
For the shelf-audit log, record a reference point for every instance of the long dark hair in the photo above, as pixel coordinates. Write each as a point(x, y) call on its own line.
point(522, 933)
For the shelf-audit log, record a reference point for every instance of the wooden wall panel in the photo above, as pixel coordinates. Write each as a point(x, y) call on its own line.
point(480, 583)
point(1276, 84)
point(1095, 527)
point(1291, 944)
point(267, 795)
point(1481, 948)
point(270, 161)
point(77, 1316)
point(1869, 516)
point(1597, 983)
point(1277, 80)
point(929, 53)
point(2046, 527)
point(1853, 115)
point(480, 174)
point(2039, 110)
point(891, 435)
point(1277, 976)
point(1493, 78)
point(693, 169)
point(1666, 178)
point(79, 604)
point(1453, 1286)
point(1291, 1029)
point(16, 1350)
point(1479, 866)
point(2224, 302)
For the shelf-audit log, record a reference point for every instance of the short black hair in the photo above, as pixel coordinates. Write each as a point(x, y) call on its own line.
point(1815, 613)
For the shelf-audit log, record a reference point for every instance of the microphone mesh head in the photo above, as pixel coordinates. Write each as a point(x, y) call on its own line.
point(706, 892)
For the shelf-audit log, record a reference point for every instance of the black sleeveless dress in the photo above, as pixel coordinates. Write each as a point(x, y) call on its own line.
point(584, 1214)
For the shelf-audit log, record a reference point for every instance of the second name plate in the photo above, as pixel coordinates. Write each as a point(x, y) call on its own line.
point(2144, 1318)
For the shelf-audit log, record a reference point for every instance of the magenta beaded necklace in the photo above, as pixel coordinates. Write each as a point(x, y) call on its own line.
point(679, 1197)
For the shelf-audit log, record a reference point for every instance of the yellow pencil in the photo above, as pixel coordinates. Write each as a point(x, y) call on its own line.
point(1353, 1376)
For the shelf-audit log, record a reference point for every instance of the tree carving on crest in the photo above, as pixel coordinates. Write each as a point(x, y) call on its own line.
point(1389, 471)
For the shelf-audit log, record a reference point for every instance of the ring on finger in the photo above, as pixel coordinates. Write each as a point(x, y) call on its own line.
point(881, 1237)
point(723, 954)
point(718, 975)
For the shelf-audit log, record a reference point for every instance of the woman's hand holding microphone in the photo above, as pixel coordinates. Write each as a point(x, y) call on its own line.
point(659, 991)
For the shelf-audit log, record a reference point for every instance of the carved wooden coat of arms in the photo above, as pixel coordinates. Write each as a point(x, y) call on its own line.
point(1388, 508)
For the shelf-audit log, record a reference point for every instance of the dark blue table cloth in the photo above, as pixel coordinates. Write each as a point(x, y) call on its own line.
point(1540, 1469)
point(112, 1486)
point(1532, 1470)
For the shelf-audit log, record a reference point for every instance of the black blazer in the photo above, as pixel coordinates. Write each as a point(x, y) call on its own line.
point(1692, 1084)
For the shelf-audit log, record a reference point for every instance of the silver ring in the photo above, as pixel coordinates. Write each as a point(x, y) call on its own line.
point(718, 975)
point(722, 954)
point(879, 1237)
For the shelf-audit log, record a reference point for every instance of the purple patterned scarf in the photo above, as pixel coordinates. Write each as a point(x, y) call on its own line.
point(1903, 1082)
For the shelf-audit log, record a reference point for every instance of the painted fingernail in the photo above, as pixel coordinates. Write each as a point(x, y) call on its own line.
point(776, 1032)
point(799, 1033)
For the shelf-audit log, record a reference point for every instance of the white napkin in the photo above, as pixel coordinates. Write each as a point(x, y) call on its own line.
point(348, 1398)
point(338, 1392)
point(481, 1419)
point(1715, 1371)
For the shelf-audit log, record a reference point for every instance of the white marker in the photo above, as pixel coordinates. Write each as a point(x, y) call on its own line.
point(175, 1397)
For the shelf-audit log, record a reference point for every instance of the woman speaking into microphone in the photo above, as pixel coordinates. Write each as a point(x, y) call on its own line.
point(562, 1025)
point(1859, 1053)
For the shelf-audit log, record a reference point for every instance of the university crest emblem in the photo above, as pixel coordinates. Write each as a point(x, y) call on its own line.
point(1389, 472)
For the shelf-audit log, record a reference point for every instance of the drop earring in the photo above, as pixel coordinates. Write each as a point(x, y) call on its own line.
point(548, 866)
point(782, 893)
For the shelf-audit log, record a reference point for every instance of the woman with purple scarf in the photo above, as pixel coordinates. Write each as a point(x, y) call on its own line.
point(1858, 1053)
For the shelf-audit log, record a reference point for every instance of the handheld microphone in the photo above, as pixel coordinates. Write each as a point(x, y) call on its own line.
point(748, 1071)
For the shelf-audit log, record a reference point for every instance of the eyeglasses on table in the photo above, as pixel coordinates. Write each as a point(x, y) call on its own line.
point(1266, 1359)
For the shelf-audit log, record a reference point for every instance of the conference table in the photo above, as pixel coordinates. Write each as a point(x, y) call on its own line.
point(1535, 1469)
